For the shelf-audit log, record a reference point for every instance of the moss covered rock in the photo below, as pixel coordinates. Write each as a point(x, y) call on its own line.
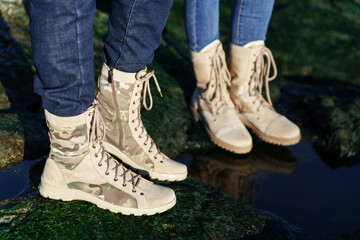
point(11, 140)
point(316, 44)
point(200, 213)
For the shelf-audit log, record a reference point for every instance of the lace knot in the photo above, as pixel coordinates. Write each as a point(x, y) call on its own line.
point(144, 77)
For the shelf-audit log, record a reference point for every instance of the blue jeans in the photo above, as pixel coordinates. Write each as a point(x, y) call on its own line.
point(249, 21)
point(62, 42)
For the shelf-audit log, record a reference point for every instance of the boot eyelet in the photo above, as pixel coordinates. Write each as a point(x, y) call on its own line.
point(132, 111)
point(132, 121)
point(116, 179)
point(96, 155)
point(155, 157)
point(93, 147)
point(135, 94)
point(106, 173)
point(139, 136)
point(138, 85)
point(133, 190)
point(134, 103)
point(150, 151)
point(99, 164)
point(142, 194)
point(124, 185)
point(161, 161)
point(135, 129)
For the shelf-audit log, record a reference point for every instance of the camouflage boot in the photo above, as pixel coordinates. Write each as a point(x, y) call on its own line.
point(78, 168)
point(250, 70)
point(211, 102)
point(119, 99)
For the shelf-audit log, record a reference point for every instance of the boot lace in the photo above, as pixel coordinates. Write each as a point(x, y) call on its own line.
point(143, 77)
point(261, 74)
point(220, 77)
point(97, 135)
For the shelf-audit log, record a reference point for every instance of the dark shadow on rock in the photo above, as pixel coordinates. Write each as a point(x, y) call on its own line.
point(22, 116)
point(175, 59)
point(351, 236)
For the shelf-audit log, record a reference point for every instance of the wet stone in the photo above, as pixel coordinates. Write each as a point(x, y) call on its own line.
point(197, 214)
point(336, 116)
point(300, 49)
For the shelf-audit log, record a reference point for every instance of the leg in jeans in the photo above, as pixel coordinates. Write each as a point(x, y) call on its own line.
point(202, 23)
point(135, 28)
point(250, 20)
point(211, 103)
point(62, 42)
point(250, 63)
point(78, 167)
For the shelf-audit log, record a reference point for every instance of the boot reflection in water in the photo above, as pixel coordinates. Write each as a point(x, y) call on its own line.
point(82, 129)
point(250, 66)
point(239, 176)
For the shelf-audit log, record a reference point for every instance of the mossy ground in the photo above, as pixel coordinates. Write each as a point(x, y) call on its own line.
point(200, 213)
point(317, 52)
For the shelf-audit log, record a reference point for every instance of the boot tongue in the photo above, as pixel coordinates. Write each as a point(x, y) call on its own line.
point(255, 45)
point(202, 62)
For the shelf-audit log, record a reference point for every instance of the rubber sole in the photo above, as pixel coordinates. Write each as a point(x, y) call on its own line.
point(154, 175)
point(219, 142)
point(271, 139)
point(49, 191)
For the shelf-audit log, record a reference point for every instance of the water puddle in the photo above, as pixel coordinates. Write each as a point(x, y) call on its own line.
point(16, 180)
point(293, 183)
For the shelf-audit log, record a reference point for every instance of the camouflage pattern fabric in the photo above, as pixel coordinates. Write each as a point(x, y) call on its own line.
point(106, 192)
point(69, 145)
point(106, 106)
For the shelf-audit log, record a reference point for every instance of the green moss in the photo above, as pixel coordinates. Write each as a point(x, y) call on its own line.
point(11, 140)
point(22, 135)
point(200, 213)
point(309, 37)
point(4, 99)
point(338, 117)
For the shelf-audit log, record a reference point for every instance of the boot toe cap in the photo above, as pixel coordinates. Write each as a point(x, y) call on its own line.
point(159, 196)
point(170, 167)
point(284, 128)
point(235, 136)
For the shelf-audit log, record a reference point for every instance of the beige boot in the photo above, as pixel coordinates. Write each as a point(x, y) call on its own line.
point(120, 102)
point(211, 102)
point(250, 67)
point(79, 168)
